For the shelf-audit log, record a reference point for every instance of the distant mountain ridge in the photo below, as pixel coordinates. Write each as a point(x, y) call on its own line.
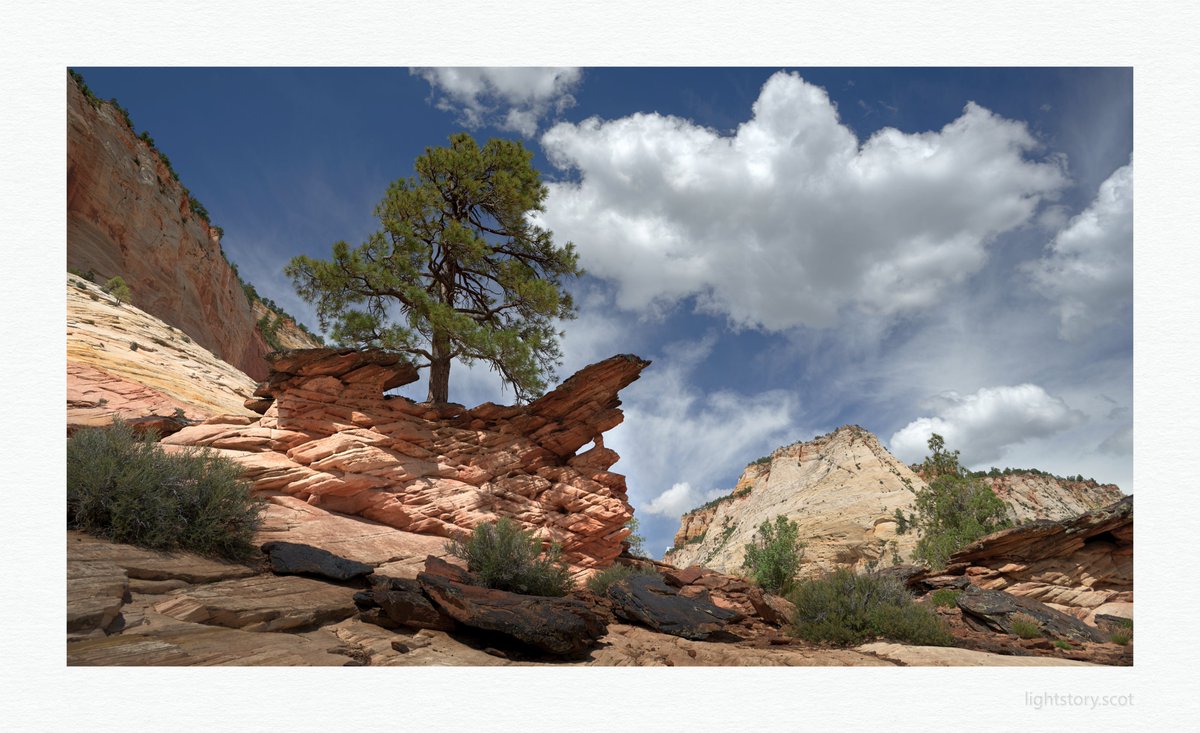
point(843, 489)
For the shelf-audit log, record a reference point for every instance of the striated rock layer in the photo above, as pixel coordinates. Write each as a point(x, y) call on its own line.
point(128, 215)
point(842, 489)
point(1031, 495)
point(1082, 566)
point(124, 362)
point(330, 437)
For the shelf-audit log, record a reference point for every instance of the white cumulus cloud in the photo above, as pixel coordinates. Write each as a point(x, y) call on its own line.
point(791, 219)
point(510, 98)
point(1088, 267)
point(984, 424)
point(679, 498)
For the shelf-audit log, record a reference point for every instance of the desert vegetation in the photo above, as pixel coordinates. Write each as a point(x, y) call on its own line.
point(123, 487)
point(117, 288)
point(953, 509)
point(503, 556)
point(773, 555)
point(600, 582)
point(846, 608)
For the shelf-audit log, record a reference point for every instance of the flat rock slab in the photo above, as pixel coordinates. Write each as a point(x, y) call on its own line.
point(559, 626)
point(262, 603)
point(648, 601)
point(142, 564)
point(96, 590)
point(291, 558)
point(184, 644)
point(945, 656)
point(996, 610)
point(393, 552)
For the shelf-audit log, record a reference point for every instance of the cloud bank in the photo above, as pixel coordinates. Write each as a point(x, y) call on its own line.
point(983, 425)
point(510, 98)
point(1088, 267)
point(791, 220)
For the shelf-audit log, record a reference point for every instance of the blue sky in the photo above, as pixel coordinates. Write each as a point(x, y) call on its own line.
point(904, 249)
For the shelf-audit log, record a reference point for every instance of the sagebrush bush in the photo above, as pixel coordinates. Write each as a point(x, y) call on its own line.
point(945, 597)
point(1025, 626)
point(846, 608)
point(504, 557)
point(599, 582)
point(773, 555)
point(123, 487)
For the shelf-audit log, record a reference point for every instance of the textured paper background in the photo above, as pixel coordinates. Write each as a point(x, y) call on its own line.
point(40, 693)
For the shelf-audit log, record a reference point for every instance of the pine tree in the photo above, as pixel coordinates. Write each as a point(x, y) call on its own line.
point(457, 271)
point(954, 509)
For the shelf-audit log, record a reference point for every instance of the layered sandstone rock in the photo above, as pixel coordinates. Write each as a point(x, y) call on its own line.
point(1082, 566)
point(1031, 495)
point(843, 490)
point(329, 437)
point(128, 215)
point(123, 362)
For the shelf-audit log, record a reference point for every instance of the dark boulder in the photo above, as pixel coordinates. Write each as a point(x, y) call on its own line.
point(995, 610)
point(404, 603)
point(648, 601)
point(290, 558)
point(558, 626)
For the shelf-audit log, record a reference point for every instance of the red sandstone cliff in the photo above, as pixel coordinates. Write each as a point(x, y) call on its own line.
point(127, 215)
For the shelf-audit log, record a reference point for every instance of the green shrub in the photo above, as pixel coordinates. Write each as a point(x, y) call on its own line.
point(125, 488)
point(954, 509)
point(1120, 637)
point(117, 288)
point(1063, 645)
point(945, 597)
point(599, 583)
point(1025, 626)
point(502, 556)
point(637, 543)
point(846, 608)
point(773, 555)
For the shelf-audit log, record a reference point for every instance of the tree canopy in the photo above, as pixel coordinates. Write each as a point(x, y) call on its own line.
point(954, 509)
point(457, 270)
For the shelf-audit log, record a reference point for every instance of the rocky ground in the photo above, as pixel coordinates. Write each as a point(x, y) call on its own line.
point(298, 606)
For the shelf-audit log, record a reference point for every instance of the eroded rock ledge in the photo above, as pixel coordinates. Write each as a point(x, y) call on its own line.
point(1082, 566)
point(329, 436)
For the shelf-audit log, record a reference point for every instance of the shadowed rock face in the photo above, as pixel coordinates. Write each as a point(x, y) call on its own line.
point(330, 437)
point(648, 601)
point(999, 611)
point(559, 626)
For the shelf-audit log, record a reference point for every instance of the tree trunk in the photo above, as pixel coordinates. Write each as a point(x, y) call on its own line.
point(439, 369)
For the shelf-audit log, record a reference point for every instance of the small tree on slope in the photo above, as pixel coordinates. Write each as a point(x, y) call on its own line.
point(954, 509)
